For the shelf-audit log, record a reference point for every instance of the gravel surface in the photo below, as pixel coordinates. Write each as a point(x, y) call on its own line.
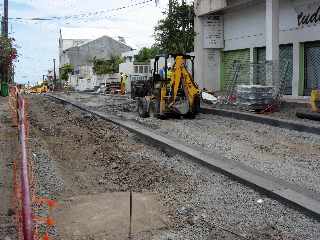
point(100, 157)
point(287, 111)
point(290, 155)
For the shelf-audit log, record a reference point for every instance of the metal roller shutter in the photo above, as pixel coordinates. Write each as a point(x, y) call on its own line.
point(229, 58)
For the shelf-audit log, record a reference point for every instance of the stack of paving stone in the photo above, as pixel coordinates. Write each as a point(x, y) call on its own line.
point(254, 97)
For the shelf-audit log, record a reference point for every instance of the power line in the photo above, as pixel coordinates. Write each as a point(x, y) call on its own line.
point(80, 20)
point(83, 15)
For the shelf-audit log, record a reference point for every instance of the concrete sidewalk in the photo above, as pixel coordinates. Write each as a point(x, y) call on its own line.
point(8, 149)
point(106, 216)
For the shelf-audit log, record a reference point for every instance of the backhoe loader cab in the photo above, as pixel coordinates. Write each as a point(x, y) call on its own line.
point(173, 91)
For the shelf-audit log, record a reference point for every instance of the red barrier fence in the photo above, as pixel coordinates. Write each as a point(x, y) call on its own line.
point(26, 202)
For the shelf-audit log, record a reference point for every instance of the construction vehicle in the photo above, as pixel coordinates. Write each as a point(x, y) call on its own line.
point(39, 89)
point(177, 94)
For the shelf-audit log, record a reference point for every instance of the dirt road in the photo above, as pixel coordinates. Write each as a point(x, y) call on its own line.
point(89, 166)
point(289, 155)
point(8, 153)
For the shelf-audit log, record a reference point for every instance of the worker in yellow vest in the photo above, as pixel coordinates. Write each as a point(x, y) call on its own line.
point(123, 83)
point(170, 79)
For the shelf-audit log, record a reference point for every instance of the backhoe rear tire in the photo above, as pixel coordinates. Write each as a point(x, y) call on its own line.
point(195, 109)
point(196, 105)
point(143, 108)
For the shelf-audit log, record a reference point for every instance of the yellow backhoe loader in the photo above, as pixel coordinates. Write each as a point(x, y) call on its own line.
point(172, 91)
point(39, 89)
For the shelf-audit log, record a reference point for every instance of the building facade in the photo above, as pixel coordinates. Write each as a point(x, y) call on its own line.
point(70, 37)
point(285, 33)
point(101, 48)
point(81, 57)
point(73, 37)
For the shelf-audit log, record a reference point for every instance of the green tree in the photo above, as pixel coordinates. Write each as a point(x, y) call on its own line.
point(8, 55)
point(175, 33)
point(107, 66)
point(65, 70)
point(146, 54)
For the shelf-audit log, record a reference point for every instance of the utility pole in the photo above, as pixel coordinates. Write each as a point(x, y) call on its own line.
point(54, 73)
point(5, 67)
point(5, 18)
point(2, 26)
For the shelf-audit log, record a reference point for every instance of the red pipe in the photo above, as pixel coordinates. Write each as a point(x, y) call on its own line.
point(26, 200)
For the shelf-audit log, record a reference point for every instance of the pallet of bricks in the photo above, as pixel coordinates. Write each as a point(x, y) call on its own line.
point(113, 87)
point(254, 97)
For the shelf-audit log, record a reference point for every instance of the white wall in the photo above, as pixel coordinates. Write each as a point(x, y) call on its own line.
point(245, 27)
point(80, 84)
point(126, 68)
point(207, 61)
point(88, 84)
point(65, 44)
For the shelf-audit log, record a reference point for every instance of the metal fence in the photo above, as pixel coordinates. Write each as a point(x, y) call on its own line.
point(312, 63)
point(263, 82)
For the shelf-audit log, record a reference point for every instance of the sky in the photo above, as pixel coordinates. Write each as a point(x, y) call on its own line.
point(37, 41)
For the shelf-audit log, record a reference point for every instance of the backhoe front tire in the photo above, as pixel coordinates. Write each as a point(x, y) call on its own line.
point(154, 109)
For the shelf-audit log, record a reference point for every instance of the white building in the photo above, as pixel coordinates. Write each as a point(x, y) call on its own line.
point(253, 31)
point(129, 57)
point(76, 37)
point(79, 46)
point(72, 37)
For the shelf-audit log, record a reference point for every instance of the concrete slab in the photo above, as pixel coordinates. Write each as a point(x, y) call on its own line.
point(106, 216)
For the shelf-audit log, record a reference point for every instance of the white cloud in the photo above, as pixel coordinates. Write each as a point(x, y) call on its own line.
point(39, 41)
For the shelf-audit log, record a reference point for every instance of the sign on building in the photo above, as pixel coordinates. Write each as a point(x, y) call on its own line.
point(307, 13)
point(213, 31)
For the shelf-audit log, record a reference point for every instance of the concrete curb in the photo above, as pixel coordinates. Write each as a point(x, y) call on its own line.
point(306, 201)
point(287, 124)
